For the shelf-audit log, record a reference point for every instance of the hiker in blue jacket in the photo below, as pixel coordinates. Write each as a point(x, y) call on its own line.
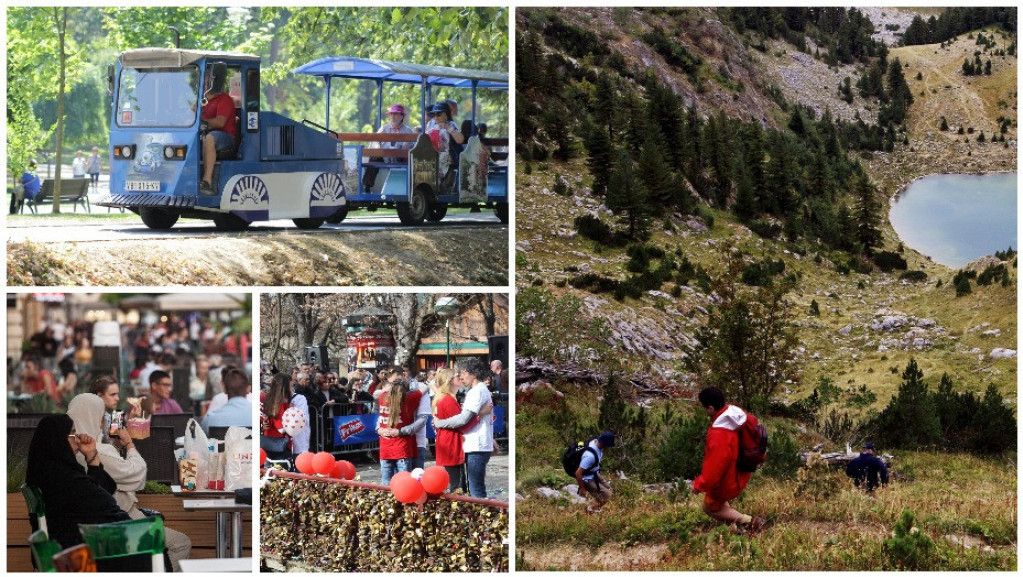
point(867, 469)
point(588, 473)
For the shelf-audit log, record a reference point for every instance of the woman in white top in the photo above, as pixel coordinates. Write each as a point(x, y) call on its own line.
point(129, 472)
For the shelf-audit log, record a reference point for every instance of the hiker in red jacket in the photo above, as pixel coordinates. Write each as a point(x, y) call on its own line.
point(720, 480)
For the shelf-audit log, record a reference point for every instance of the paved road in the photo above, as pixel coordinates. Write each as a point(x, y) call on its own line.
point(190, 228)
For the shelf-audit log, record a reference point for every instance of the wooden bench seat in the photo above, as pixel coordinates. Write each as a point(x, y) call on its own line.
point(73, 190)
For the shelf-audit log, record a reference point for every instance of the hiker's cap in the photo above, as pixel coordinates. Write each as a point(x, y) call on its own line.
point(868, 446)
point(606, 439)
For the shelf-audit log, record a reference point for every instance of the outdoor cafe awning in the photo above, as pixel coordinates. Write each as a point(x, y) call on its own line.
point(198, 302)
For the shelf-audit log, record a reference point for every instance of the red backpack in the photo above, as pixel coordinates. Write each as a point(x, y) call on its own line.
point(752, 445)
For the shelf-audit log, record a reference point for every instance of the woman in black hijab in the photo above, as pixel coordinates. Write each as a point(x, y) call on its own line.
point(71, 495)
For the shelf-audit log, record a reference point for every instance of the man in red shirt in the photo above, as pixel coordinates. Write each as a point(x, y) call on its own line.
point(720, 480)
point(218, 113)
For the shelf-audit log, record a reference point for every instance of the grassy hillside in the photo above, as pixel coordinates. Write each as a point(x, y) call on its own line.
point(956, 499)
point(857, 331)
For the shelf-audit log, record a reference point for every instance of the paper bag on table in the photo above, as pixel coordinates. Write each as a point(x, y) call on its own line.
point(197, 447)
point(188, 470)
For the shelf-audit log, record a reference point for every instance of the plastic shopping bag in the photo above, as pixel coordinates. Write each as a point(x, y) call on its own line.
point(238, 455)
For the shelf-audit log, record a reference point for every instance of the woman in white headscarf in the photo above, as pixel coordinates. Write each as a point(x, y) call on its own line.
point(129, 472)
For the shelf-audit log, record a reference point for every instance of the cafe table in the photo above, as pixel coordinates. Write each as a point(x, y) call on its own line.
point(222, 503)
point(229, 565)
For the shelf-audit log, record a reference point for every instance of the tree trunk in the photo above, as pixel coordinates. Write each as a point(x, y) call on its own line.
point(278, 301)
point(60, 20)
point(486, 307)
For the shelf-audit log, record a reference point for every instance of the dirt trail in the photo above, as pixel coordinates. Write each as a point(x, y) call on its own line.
point(610, 557)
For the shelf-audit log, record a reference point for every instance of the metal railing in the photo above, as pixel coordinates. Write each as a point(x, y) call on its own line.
point(322, 426)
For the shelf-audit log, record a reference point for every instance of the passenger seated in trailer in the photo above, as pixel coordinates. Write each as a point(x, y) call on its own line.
point(445, 138)
point(395, 126)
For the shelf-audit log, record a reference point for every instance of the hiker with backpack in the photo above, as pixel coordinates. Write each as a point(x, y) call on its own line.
point(582, 462)
point(868, 471)
point(735, 444)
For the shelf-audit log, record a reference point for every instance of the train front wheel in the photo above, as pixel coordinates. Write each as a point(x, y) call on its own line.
point(158, 218)
point(308, 223)
point(338, 216)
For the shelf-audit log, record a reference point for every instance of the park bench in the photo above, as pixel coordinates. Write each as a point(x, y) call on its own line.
point(73, 190)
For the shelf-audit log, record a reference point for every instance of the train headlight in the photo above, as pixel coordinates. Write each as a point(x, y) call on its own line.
point(124, 151)
point(174, 152)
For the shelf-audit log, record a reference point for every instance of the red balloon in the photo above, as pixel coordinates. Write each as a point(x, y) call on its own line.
point(262, 456)
point(343, 470)
point(304, 463)
point(405, 488)
point(435, 480)
point(323, 463)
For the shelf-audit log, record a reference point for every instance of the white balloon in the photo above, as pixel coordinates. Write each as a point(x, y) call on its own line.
point(417, 473)
point(293, 421)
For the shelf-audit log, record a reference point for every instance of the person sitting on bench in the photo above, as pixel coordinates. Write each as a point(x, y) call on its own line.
point(395, 126)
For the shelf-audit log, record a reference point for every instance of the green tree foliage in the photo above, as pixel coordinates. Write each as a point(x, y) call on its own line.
point(911, 420)
point(599, 159)
point(868, 215)
point(474, 37)
point(748, 346)
point(680, 453)
point(627, 197)
point(783, 460)
point(961, 282)
point(900, 97)
point(909, 547)
point(628, 422)
point(955, 21)
point(551, 328)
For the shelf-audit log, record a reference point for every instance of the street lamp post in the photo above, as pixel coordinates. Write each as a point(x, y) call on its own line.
point(447, 307)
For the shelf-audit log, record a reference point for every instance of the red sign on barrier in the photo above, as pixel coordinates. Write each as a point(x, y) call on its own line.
point(350, 429)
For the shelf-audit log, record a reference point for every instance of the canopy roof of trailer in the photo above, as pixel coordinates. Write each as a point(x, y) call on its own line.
point(175, 58)
point(369, 69)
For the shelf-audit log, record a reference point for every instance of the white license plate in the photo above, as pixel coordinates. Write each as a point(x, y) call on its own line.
point(143, 185)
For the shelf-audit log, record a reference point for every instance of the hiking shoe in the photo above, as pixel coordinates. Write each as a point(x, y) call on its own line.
point(755, 527)
point(206, 189)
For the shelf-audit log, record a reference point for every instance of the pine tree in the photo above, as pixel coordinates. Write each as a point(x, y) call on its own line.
point(627, 197)
point(868, 215)
point(944, 124)
point(605, 103)
point(745, 191)
point(600, 157)
point(910, 421)
point(657, 178)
